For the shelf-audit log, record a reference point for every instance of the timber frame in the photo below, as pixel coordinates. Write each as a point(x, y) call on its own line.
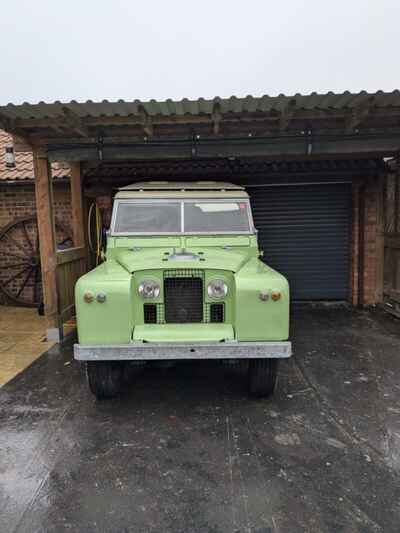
point(96, 137)
point(391, 238)
point(60, 269)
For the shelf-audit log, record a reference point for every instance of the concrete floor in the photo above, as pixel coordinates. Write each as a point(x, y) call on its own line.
point(184, 450)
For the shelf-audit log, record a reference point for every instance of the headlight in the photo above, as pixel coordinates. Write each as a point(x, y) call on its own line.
point(101, 297)
point(149, 289)
point(217, 289)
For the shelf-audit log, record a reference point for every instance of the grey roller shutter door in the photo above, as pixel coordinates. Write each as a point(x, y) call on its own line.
point(304, 232)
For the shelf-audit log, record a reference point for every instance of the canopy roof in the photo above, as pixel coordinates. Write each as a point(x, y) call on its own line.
point(201, 106)
point(268, 126)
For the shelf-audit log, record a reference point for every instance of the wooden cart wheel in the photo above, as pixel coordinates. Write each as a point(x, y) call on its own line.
point(20, 273)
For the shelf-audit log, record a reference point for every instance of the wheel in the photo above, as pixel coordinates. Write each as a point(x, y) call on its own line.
point(20, 272)
point(262, 375)
point(104, 378)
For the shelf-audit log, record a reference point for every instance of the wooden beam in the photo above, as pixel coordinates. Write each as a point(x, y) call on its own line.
point(77, 205)
point(75, 122)
point(287, 115)
point(397, 201)
point(272, 147)
point(380, 239)
point(70, 255)
point(47, 241)
point(6, 123)
point(58, 129)
point(21, 144)
point(147, 121)
point(359, 114)
point(216, 117)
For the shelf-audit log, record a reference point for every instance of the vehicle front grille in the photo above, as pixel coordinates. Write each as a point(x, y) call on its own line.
point(183, 301)
point(183, 296)
point(150, 313)
point(216, 312)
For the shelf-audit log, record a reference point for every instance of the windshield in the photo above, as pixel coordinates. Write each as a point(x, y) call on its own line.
point(148, 218)
point(181, 216)
point(216, 217)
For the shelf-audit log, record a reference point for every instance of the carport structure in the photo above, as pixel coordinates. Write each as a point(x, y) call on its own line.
point(313, 164)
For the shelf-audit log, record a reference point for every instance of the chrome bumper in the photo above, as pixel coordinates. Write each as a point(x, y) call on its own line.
point(139, 351)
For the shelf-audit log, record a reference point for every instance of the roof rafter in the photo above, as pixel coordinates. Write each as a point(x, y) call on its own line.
point(359, 114)
point(5, 122)
point(147, 121)
point(216, 118)
point(287, 114)
point(74, 122)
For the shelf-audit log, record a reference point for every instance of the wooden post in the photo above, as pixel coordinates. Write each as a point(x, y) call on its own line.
point(47, 241)
point(380, 238)
point(77, 205)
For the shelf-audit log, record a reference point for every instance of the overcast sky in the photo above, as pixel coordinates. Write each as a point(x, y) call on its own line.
point(111, 49)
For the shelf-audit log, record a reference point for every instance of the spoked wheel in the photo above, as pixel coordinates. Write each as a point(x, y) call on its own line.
point(104, 378)
point(262, 376)
point(20, 272)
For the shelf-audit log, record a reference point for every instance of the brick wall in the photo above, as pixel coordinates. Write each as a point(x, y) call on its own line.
point(18, 201)
point(368, 241)
point(370, 244)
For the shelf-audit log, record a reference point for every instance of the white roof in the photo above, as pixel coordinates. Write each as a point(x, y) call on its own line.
point(181, 186)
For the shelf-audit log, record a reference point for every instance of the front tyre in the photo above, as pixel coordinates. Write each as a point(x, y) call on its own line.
point(262, 376)
point(104, 378)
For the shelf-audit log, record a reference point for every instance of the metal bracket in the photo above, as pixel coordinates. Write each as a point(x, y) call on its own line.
point(100, 144)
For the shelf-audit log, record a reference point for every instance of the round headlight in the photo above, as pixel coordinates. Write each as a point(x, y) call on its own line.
point(149, 289)
point(217, 289)
point(101, 297)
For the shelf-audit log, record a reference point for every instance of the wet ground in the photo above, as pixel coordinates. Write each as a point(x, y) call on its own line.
point(184, 450)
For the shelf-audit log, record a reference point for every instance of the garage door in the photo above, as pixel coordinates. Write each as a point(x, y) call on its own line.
point(304, 232)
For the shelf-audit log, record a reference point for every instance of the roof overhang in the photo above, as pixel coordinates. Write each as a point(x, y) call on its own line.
point(297, 127)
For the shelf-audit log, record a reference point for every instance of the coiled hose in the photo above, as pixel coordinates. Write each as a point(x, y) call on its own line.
point(95, 247)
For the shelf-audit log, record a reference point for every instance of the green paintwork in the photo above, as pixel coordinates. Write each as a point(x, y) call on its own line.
point(183, 333)
point(233, 258)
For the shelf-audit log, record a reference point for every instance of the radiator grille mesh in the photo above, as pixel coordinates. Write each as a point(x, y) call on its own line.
point(183, 300)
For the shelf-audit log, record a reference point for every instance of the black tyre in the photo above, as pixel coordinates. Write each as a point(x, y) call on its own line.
point(262, 375)
point(104, 378)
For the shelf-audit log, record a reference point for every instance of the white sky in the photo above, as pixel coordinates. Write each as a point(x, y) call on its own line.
point(111, 49)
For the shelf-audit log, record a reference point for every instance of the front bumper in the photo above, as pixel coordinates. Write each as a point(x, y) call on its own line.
point(140, 351)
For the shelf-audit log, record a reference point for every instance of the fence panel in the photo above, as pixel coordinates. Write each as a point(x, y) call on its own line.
point(71, 265)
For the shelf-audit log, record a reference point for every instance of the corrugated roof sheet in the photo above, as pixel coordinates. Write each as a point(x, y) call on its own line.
point(23, 169)
point(248, 104)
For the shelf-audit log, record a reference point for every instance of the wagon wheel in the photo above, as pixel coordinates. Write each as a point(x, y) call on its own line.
point(20, 273)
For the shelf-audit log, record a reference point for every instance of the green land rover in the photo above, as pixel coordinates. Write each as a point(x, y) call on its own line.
point(182, 279)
